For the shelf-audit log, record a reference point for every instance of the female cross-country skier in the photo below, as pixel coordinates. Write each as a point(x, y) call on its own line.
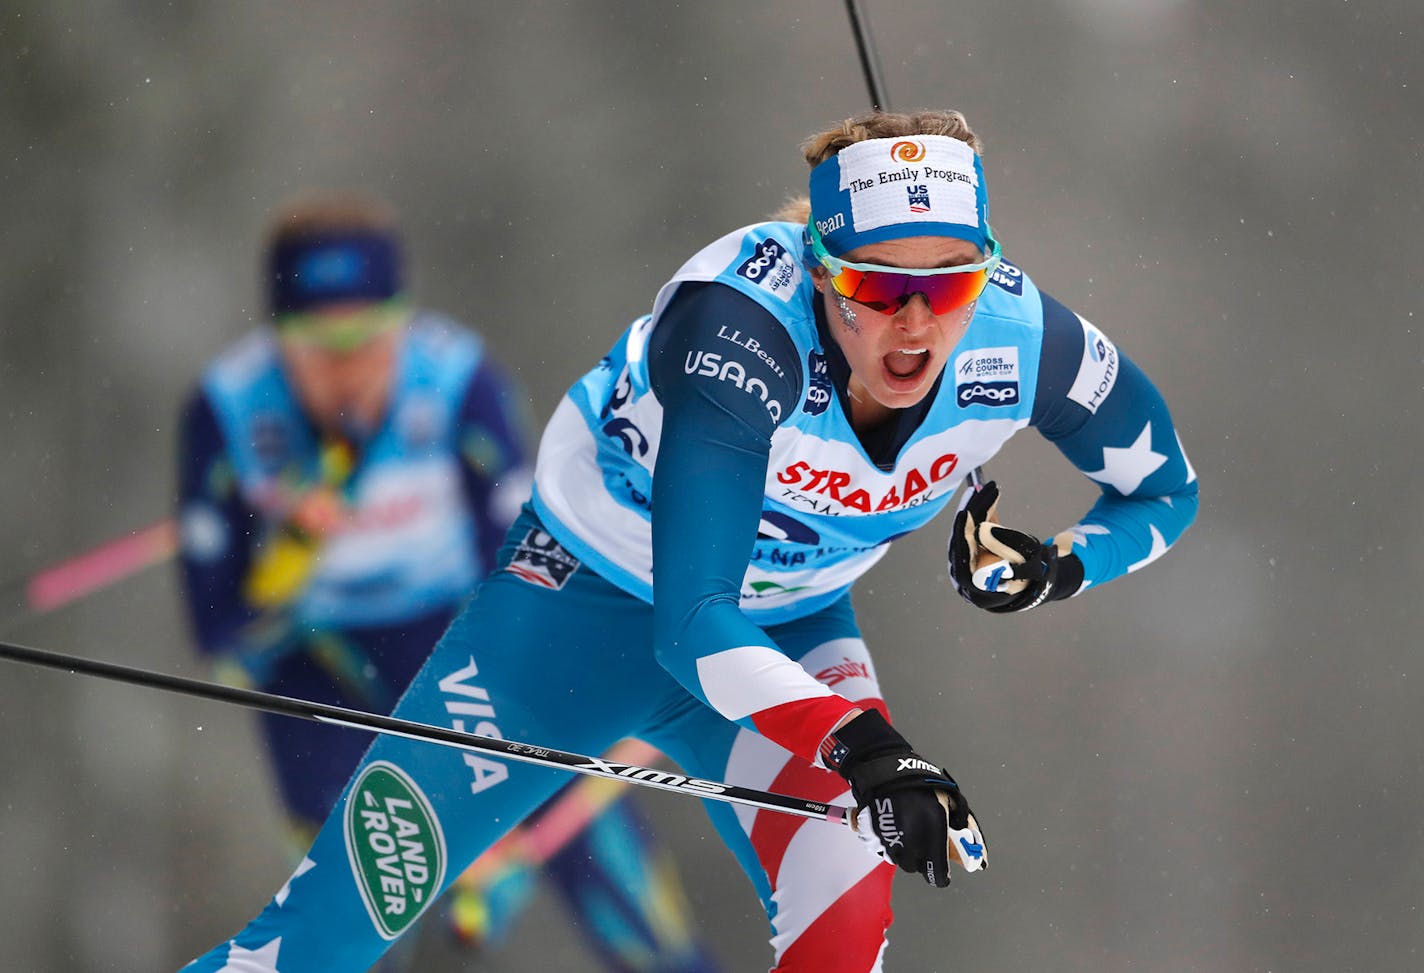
point(803, 392)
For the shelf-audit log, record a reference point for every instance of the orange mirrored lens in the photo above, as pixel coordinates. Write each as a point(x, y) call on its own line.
point(888, 292)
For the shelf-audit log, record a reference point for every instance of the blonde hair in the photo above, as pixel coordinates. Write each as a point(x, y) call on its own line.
point(874, 125)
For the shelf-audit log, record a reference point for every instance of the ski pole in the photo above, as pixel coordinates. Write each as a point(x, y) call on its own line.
point(571, 813)
point(869, 65)
point(427, 733)
point(79, 576)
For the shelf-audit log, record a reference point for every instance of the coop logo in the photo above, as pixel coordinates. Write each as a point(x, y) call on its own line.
point(771, 268)
point(1007, 277)
point(713, 365)
point(907, 151)
point(395, 846)
point(818, 396)
point(987, 376)
point(991, 393)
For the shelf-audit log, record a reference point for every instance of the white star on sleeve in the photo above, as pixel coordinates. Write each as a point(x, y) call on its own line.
point(1125, 469)
point(1159, 547)
point(262, 960)
point(1081, 532)
point(286, 889)
point(1191, 473)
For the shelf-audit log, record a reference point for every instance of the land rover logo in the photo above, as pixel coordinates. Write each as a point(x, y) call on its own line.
point(395, 845)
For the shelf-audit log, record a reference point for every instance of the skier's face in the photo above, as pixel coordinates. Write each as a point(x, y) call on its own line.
point(342, 385)
point(897, 357)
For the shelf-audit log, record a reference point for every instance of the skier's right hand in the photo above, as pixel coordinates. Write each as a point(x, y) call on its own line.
point(287, 559)
point(916, 809)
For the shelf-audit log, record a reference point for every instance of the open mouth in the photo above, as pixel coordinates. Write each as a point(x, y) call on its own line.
point(906, 364)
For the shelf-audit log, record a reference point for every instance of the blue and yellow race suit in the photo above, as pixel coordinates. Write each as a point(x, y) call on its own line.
point(424, 501)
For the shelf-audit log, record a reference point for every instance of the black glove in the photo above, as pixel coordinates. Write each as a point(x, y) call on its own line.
point(918, 813)
point(1000, 569)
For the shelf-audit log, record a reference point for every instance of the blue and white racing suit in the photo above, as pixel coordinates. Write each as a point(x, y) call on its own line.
point(720, 629)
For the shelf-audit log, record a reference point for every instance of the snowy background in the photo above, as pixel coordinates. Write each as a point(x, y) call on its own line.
point(1212, 765)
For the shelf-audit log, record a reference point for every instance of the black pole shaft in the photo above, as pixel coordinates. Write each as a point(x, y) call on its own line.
point(871, 69)
point(424, 732)
point(868, 63)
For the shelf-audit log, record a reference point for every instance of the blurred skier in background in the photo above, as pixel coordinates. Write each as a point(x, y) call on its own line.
point(347, 473)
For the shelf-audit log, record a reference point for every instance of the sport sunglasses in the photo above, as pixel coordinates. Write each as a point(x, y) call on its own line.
point(887, 289)
point(344, 331)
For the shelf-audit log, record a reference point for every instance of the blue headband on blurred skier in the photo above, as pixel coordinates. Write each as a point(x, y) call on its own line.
point(884, 189)
point(331, 268)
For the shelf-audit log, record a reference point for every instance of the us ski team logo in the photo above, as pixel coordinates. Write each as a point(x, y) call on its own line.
point(541, 560)
point(395, 845)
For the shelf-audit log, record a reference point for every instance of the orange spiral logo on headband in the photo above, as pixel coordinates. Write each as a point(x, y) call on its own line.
point(907, 151)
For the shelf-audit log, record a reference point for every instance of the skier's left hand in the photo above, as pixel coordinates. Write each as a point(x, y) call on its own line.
point(997, 568)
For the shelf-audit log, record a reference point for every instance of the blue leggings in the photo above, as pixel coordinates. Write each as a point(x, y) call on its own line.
point(613, 876)
point(570, 667)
